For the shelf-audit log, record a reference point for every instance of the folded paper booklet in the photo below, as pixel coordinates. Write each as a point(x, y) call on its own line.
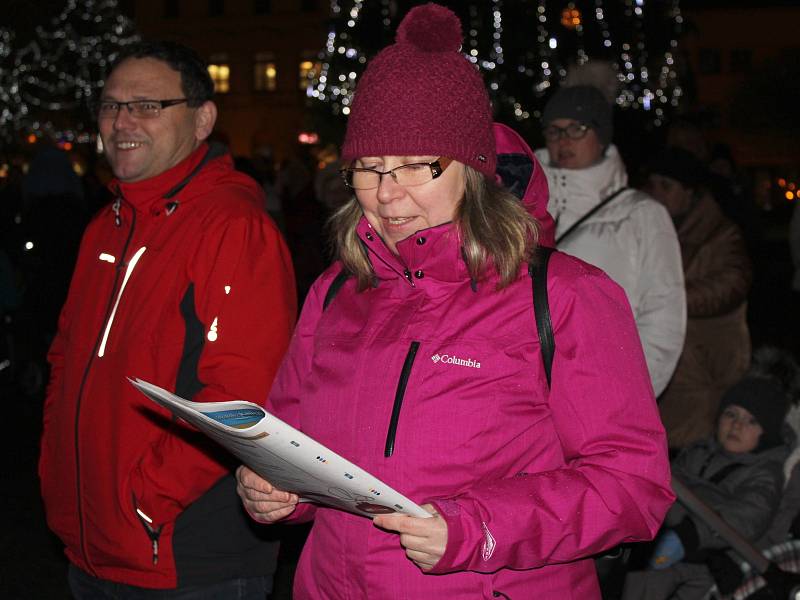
point(284, 456)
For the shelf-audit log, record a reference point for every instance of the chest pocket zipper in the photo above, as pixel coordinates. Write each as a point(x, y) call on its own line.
point(398, 398)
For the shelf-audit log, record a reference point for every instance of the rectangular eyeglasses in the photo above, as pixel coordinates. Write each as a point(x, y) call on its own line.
point(140, 109)
point(407, 175)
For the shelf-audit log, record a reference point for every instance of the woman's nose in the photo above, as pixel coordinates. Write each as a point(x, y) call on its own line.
point(388, 188)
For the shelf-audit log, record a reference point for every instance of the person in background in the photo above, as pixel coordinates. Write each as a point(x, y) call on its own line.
point(184, 282)
point(723, 179)
point(738, 472)
point(718, 274)
point(426, 370)
point(53, 220)
point(601, 220)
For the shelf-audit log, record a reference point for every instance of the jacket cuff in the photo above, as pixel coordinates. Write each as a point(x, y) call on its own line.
point(466, 542)
point(303, 512)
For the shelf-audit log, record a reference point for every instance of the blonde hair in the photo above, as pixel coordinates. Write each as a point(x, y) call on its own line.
point(495, 230)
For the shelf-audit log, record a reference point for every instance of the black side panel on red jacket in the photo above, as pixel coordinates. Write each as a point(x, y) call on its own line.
point(214, 538)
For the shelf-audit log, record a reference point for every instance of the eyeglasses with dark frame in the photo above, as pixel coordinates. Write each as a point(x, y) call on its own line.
point(573, 131)
point(139, 109)
point(408, 175)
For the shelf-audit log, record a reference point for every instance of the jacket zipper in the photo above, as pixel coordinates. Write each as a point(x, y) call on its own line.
point(398, 398)
point(81, 537)
point(153, 532)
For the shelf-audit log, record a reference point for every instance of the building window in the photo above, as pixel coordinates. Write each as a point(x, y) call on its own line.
point(710, 61)
point(220, 72)
point(262, 7)
point(741, 59)
point(216, 8)
point(265, 72)
point(791, 54)
point(309, 68)
point(172, 9)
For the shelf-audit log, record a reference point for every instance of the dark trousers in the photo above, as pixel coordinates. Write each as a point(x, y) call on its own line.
point(87, 587)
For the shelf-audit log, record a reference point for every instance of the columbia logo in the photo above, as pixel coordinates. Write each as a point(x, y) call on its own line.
point(455, 360)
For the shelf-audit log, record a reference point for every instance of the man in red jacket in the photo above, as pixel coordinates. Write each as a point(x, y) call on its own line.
point(184, 282)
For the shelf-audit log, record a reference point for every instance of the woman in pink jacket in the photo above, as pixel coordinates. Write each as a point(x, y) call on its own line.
point(425, 368)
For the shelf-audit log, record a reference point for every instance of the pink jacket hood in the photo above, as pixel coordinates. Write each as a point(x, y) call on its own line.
point(521, 173)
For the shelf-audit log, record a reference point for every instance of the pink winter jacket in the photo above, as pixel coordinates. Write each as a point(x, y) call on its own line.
point(531, 481)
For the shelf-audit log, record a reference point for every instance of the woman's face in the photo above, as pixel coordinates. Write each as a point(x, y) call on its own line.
point(737, 430)
point(567, 153)
point(396, 212)
point(671, 193)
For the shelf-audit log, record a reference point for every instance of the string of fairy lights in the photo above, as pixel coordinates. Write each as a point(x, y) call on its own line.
point(35, 86)
point(7, 85)
point(338, 89)
point(554, 25)
point(60, 70)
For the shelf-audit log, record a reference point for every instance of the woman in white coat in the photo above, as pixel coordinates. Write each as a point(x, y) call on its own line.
point(618, 229)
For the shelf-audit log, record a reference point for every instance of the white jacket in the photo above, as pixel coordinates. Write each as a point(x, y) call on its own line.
point(634, 241)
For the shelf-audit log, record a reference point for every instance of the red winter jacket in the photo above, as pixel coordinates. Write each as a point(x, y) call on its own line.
point(193, 291)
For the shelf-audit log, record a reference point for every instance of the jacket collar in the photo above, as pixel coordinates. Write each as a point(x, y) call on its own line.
point(576, 191)
point(435, 252)
point(150, 193)
point(520, 171)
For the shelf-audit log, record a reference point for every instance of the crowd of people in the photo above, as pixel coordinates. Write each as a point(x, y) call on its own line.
point(549, 445)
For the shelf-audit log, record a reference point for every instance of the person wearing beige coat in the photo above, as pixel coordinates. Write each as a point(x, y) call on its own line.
point(718, 275)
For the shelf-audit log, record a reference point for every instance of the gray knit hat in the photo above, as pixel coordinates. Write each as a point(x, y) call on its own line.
point(584, 103)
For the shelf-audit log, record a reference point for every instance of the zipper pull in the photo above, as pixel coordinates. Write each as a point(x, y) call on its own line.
point(116, 209)
point(152, 532)
point(407, 275)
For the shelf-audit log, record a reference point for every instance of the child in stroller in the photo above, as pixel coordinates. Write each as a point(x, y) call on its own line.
point(739, 474)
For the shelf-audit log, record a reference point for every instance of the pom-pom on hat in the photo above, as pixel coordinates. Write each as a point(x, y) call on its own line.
point(421, 96)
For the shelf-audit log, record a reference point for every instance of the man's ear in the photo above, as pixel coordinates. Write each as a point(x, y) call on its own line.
point(204, 119)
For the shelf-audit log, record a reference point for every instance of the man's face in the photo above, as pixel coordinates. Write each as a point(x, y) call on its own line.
point(566, 153)
point(141, 148)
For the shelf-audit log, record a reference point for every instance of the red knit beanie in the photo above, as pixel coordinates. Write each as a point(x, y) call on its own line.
point(421, 96)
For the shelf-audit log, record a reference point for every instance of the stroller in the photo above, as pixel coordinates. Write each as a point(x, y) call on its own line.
point(771, 574)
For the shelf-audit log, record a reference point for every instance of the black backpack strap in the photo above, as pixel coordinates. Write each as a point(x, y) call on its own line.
point(589, 213)
point(541, 307)
point(334, 288)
